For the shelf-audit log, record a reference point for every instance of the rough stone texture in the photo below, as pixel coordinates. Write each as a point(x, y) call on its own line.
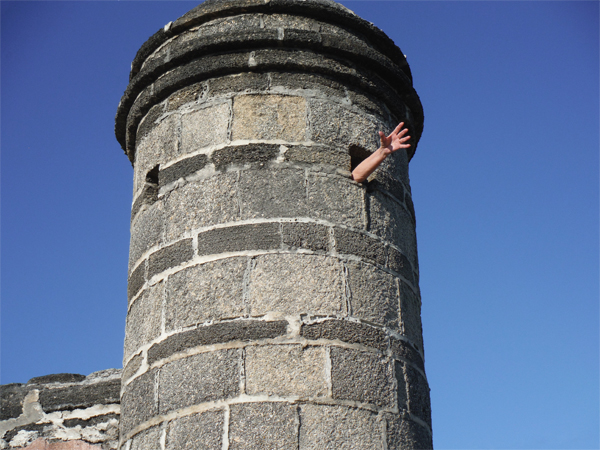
point(208, 291)
point(136, 280)
point(170, 256)
point(327, 427)
point(43, 444)
point(410, 315)
point(400, 264)
point(406, 351)
point(358, 244)
point(362, 376)
point(278, 284)
point(403, 434)
point(147, 230)
point(318, 155)
point(246, 330)
point(240, 82)
point(147, 440)
point(346, 331)
point(256, 236)
point(144, 319)
point(419, 402)
point(57, 378)
point(269, 117)
point(80, 396)
point(132, 367)
point(199, 431)
point(186, 95)
point(263, 426)
point(373, 294)
point(204, 127)
point(199, 378)
point(201, 203)
point(11, 400)
point(285, 370)
point(256, 155)
point(138, 402)
point(309, 236)
point(182, 169)
point(305, 81)
point(148, 196)
point(273, 193)
point(399, 369)
point(336, 199)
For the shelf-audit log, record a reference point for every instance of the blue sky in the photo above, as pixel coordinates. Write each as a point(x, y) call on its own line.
point(505, 186)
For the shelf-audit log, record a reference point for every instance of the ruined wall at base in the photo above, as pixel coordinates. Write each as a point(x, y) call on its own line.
point(62, 412)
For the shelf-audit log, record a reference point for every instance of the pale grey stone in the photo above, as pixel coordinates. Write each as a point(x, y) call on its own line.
point(284, 370)
point(336, 199)
point(209, 291)
point(144, 319)
point(147, 440)
point(269, 117)
point(410, 315)
point(263, 426)
point(199, 431)
point(147, 230)
point(404, 434)
point(373, 294)
point(327, 427)
point(204, 127)
point(296, 284)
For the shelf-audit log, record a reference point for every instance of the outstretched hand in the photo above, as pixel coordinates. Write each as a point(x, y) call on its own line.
point(396, 140)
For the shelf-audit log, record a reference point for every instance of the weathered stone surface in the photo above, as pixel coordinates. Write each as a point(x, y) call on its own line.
point(138, 402)
point(57, 378)
point(362, 376)
point(201, 203)
point(336, 199)
point(285, 370)
point(263, 426)
point(317, 84)
point(373, 294)
point(95, 420)
point(132, 367)
point(419, 402)
point(247, 81)
point(204, 127)
point(170, 256)
point(208, 291)
point(147, 440)
point(199, 378)
point(309, 236)
point(358, 244)
point(257, 155)
point(327, 427)
point(400, 264)
point(273, 193)
point(346, 331)
point(148, 196)
point(278, 284)
point(80, 396)
point(149, 121)
point(410, 206)
point(136, 280)
point(147, 230)
point(318, 155)
point(399, 368)
point(144, 319)
point(199, 431)
point(404, 434)
point(245, 330)
point(11, 400)
point(186, 95)
point(269, 117)
point(410, 315)
point(406, 351)
point(237, 238)
point(182, 169)
point(44, 444)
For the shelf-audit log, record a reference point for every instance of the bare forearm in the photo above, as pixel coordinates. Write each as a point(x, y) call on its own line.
point(368, 166)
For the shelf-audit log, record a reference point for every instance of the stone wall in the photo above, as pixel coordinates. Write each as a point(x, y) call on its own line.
point(62, 412)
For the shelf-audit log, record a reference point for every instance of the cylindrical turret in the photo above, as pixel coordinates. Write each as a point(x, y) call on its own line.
point(273, 301)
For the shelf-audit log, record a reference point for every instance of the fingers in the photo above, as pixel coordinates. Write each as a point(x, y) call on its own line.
point(398, 128)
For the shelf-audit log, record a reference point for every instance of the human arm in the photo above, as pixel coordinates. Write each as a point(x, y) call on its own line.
point(389, 144)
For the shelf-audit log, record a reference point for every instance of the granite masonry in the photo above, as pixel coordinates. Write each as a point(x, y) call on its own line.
point(273, 302)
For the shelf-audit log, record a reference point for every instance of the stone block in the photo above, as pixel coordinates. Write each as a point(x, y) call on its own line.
point(182, 169)
point(263, 426)
point(318, 155)
point(241, 82)
point(309, 236)
point(80, 396)
point(186, 95)
point(204, 127)
point(147, 230)
point(138, 402)
point(407, 352)
point(273, 193)
point(201, 203)
point(392, 222)
point(11, 400)
point(256, 155)
point(326, 427)
point(400, 264)
point(410, 206)
point(218, 333)
point(148, 196)
point(403, 434)
point(170, 256)
point(136, 280)
point(419, 402)
point(358, 244)
point(278, 283)
point(199, 431)
point(237, 238)
point(367, 102)
point(410, 315)
point(209, 291)
point(336, 199)
point(132, 367)
point(269, 117)
point(374, 294)
point(285, 370)
point(362, 377)
point(148, 122)
point(346, 331)
point(402, 397)
point(144, 319)
point(334, 125)
point(197, 379)
point(147, 440)
point(57, 378)
point(318, 84)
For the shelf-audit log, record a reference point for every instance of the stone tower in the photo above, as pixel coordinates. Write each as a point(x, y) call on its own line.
point(273, 301)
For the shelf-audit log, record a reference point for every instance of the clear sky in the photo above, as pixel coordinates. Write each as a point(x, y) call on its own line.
point(504, 181)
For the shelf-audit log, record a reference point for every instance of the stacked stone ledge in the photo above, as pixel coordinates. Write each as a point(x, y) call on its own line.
point(273, 302)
